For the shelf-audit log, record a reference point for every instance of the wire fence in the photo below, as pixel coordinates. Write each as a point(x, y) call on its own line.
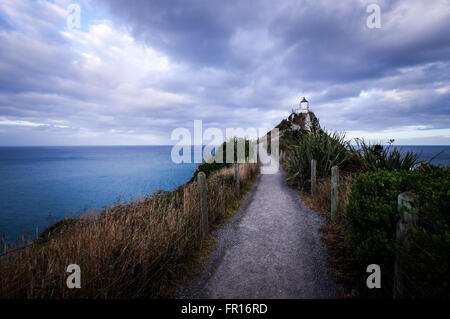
point(422, 258)
point(56, 230)
point(422, 262)
point(129, 252)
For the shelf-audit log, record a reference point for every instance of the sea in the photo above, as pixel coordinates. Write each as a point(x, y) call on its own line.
point(41, 185)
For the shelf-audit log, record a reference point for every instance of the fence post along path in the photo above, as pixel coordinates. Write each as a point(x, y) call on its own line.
point(334, 192)
point(236, 177)
point(407, 207)
point(313, 176)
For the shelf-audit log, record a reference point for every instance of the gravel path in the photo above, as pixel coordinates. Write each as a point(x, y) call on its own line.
point(271, 249)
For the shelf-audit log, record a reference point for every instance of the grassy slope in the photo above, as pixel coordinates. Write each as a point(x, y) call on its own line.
point(142, 249)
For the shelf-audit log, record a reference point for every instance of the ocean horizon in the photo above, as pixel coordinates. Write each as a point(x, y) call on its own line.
point(40, 185)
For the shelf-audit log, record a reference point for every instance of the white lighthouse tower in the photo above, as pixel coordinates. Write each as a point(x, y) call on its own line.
point(303, 106)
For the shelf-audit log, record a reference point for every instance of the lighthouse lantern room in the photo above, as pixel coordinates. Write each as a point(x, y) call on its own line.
point(303, 106)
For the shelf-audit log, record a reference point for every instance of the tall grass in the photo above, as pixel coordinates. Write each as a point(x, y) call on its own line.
point(322, 195)
point(131, 250)
point(328, 149)
point(219, 160)
point(377, 157)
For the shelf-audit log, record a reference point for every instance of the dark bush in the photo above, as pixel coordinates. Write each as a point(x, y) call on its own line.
point(372, 215)
point(328, 149)
point(208, 168)
point(215, 165)
point(376, 156)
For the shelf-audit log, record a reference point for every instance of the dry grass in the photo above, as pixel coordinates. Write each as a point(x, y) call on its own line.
point(127, 251)
point(334, 234)
point(322, 195)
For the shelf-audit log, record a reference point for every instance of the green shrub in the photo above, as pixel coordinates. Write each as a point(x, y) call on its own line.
point(375, 157)
point(215, 165)
point(328, 149)
point(430, 256)
point(208, 168)
point(372, 215)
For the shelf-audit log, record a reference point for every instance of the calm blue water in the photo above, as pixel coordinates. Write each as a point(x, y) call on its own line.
point(438, 154)
point(39, 185)
point(441, 154)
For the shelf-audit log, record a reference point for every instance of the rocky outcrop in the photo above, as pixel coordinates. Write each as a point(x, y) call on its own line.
point(300, 121)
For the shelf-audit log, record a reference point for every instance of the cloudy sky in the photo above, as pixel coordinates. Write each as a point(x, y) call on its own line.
point(136, 70)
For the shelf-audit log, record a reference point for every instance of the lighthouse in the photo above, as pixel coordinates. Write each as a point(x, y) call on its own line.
point(302, 119)
point(303, 107)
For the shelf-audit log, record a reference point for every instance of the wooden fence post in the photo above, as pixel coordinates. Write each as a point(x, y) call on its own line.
point(247, 168)
point(201, 180)
point(408, 221)
point(313, 176)
point(259, 146)
point(257, 153)
point(334, 192)
point(236, 177)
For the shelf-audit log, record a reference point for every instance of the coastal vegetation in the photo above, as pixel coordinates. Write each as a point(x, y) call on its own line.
point(328, 149)
point(219, 160)
point(364, 232)
point(372, 216)
point(141, 249)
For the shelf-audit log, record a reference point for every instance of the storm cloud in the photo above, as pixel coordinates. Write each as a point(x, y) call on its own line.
point(138, 69)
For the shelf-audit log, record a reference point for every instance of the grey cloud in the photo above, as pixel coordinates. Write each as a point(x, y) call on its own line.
point(237, 63)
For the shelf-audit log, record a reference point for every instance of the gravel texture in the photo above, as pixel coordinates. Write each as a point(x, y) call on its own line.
point(271, 249)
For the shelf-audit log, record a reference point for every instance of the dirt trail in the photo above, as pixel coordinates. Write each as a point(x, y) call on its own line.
point(271, 249)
